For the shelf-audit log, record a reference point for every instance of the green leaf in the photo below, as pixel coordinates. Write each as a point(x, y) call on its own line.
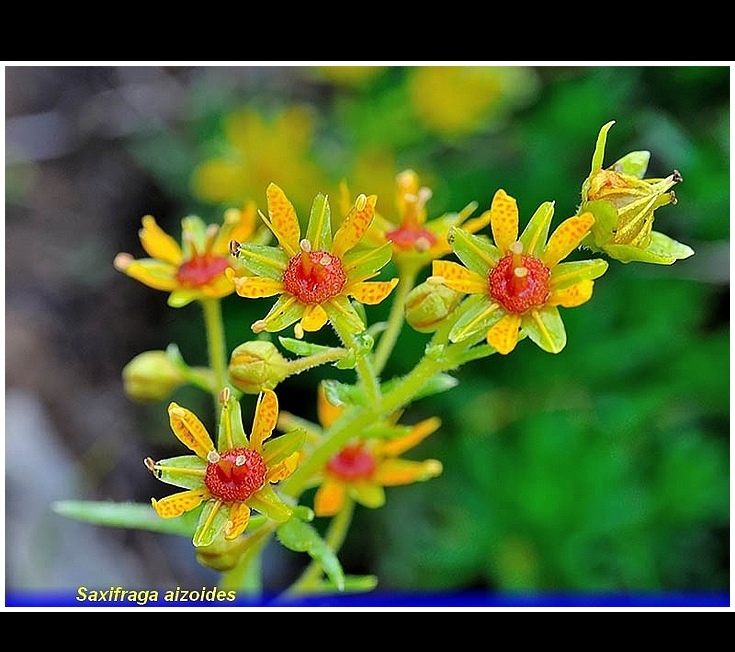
point(301, 347)
point(319, 227)
point(302, 537)
point(136, 516)
point(340, 394)
point(263, 260)
point(352, 584)
point(599, 155)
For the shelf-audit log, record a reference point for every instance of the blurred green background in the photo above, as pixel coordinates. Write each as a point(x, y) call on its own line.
point(602, 469)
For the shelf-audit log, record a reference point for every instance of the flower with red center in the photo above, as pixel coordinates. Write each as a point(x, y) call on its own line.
point(231, 478)
point(314, 275)
point(365, 466)
point(519, 282)
point(196, 269)
point(416, 241)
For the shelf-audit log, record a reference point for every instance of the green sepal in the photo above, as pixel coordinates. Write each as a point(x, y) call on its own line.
point(633, 163)
point(279, 317)
point(606, 221)
point(302, 537)
point(231, 432)
point(263, 260)
point(268, 502)
point(175, 471)
point(536, 233)
point(343, 316)
point(479, 314)
point(599, 154)
point(475, 251)
point(193, 234)
point(662, 250)
point(210, 527)
point(279, 448)
point(181, 298)
point(134, 516)
point(565, 275)
point(546, 328)
point(362, 264)
point(319, 227)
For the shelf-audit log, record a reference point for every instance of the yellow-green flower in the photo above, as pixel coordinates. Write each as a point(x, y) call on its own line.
point(231, 478)
point(519, 282)
point(196, 268)
point(416, 241)
point(623, 204)
point(314, 275)
point(257, 148)
point(363, 468)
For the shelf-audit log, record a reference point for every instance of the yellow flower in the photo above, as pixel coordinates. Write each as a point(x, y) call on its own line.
point(195, 270)
point(519, 282)
point(363, 468)
point(416, 241)
point(257, 148)
point(314, 275)
point(231, 478)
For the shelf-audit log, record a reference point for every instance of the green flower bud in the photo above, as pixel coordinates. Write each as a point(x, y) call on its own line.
point(257, 365)
point(151, 376)
point(429, 304)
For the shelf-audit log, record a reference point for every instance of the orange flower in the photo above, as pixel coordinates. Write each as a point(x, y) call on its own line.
point(195, 270)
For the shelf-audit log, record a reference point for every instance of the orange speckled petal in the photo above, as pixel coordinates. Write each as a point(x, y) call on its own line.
point(371, 292)
point(355, 224)
point(329, 498)
point(284, 468)
point(566, 238)
point(314, 318)
point(458, 277)
point(504, 334)
point(254, 287)
point(176, 504)
point(159, 244)
point(238, 521)
point(283, 220)
point(574, 295)
point(394, 472)
point(504, 220)
point(266, 416)
point(190, 430)
point(154, 273)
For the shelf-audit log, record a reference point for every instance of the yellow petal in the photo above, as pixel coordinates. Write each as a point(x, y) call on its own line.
point(190, 430)
point(504, 335)
point(314, 318)
point(176, 504)
point(153, 273)
point(255, 287)
point(238, 521)
point(566, 238)
point(394, 472)
point(572, 296)
point(504, 220)
point(394, 447)
point(266, 416)
point(458, 277)
point(159, 244)
point(284, 468)
point(237, 224)
point(326, 412)
point(371, 292)
point(355, 224)
point(283, 220)
point(329, 498)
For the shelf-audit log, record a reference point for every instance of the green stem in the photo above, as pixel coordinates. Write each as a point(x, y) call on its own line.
point(216, 346)
point(308, 362)
point(334, 538)
point(395, 320)
point(363, 363)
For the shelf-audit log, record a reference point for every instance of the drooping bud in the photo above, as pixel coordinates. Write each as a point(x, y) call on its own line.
point(151, 376)
point(429, 304)
point(256, 365)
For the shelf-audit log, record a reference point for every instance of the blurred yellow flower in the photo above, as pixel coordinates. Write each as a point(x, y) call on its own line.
point(349, 76)
point(259, 151)
point(458, 100)
point(195, 269)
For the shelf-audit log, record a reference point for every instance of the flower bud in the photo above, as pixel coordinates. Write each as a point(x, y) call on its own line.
point(151, 376)
point(429, 304)
point(257, 365)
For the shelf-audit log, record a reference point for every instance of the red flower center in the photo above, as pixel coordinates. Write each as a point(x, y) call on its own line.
point(314, 276)
point(411, 237)
point(519, 282)
point(235, 475)
point(352, 463)
point(201, 270)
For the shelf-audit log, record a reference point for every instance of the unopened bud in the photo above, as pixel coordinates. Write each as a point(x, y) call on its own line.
point(429, 304)
point(151, 376)
point(256, 365)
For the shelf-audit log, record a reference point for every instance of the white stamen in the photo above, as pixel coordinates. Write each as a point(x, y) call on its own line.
point(422, 244)
point(361, 202)
point(239, 460)
point(224, 395)
point(258, 326)
point(325, 260)
point(298, 331)
point(213, 457)
point(520, 272)
point(305, 245)
point(516, 247)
